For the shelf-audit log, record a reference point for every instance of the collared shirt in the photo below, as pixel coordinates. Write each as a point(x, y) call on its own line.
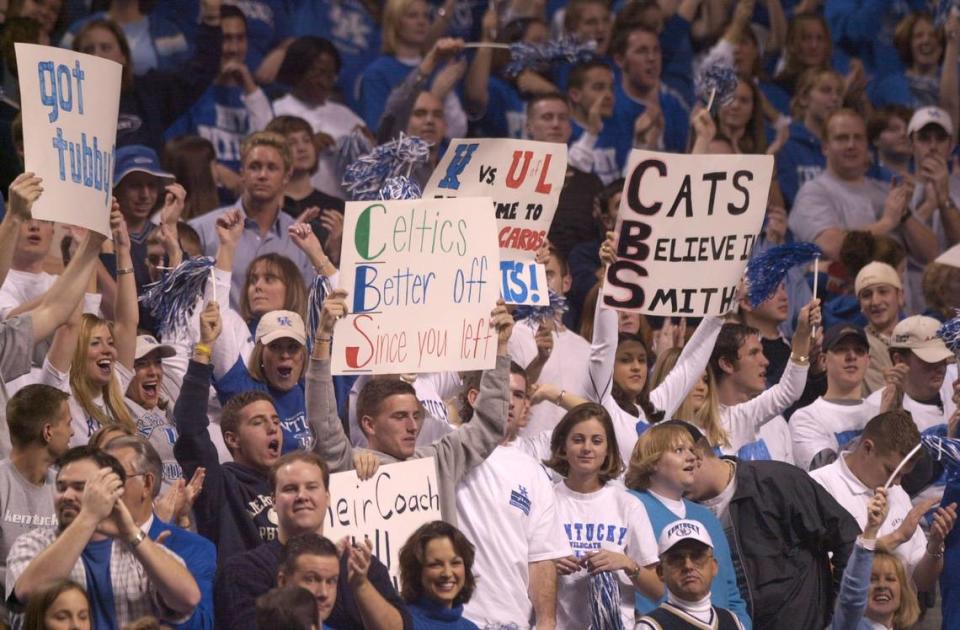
point(252, 245)
point(853, 495)
point(134, 595)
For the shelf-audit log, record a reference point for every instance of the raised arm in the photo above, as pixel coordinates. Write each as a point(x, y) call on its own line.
point(24, 190)
point(477, 83)
point(691, 363)
point(603, 346)
point(855, 584)
point(331, 442)
point(126, 311)
point(472, 443)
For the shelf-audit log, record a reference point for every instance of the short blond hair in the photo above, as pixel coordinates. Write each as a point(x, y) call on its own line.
point(651, 446)
point(267, 139)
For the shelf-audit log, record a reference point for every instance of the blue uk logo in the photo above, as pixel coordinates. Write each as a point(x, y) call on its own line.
point(520, 499)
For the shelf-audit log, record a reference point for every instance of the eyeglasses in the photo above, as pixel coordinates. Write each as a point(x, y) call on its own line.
point(678, 558)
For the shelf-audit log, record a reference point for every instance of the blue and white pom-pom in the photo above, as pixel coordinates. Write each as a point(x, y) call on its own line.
point(716, 83)
point(537, 315)
point(950, 334)
point(944, 8)
point(944, 450)
point(353, 146)
point(173, 298)
point(367, 176)
point(605, 602)
point(766, 271)
point(400, 187)
point(524, 55)
point(319, 291)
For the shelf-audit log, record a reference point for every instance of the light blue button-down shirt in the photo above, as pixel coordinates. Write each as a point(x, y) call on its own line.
point(252, 245)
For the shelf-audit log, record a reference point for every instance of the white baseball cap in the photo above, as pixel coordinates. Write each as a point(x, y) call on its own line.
point(930, 116)
point(279, 325)
point(685, 529)
point(876, 273)
point(919, 334)
point(148, 343)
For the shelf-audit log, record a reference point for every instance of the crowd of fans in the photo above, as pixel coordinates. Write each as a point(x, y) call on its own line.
point(612, 470)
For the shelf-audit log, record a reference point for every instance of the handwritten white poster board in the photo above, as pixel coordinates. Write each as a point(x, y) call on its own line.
point(422, 281)
point(387, 508)
point(70, 103)
point(686, 227)
point(524, 179)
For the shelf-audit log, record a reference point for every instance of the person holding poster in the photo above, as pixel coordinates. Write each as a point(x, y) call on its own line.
point(365, 595)
point(619, 369)
point(388, 412)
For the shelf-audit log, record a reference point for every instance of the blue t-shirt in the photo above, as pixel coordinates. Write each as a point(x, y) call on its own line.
point(378, 80)
point(291, 405)
point(800, 160)
point(506, 114)
point(675, 115)
point(96, 563)
point(607, 160)
point(221, 117)
point(351, 28)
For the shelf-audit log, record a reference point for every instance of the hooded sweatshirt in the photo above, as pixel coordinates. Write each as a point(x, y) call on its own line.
point(233, 507)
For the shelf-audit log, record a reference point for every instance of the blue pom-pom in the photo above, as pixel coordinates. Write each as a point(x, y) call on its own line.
point(524, 55)
point(943, 449)
point(366, 176)
point(766, 271)
point(173, 298)
point(353, 146)
point(943, 11)
point(719, 76)
point(539, 314)
point(400, 187)
point(950, 333)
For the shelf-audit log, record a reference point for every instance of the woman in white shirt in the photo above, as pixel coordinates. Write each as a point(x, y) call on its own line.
point(608, 530)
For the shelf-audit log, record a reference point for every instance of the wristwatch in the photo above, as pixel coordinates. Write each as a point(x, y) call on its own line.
point(137, 539)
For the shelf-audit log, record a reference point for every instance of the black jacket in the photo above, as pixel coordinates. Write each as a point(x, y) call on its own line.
point(783, 526)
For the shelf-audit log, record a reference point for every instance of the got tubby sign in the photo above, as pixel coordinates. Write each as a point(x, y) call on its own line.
point(686, 227)
point(70, 104)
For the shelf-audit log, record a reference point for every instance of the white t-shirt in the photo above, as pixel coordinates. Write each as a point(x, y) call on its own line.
point(825, 425)
point(158, 427)
point(331, 118)
point(606, 519)
point(20, 287)
point(566, 368)
point(853, 495)
point(506, 507)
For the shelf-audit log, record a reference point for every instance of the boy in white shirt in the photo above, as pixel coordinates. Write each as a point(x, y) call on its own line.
point(823, 428)
point(506, 506)
point(854, 476)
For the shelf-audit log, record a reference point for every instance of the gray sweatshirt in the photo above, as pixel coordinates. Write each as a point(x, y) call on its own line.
point(455, 454)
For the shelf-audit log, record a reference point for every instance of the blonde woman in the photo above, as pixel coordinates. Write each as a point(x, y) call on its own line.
point(662, 468)
point(83, 356)
point(701, 406)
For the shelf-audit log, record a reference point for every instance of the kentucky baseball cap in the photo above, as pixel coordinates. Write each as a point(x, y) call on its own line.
point(919, 334)
point(876, 273)
point(148, 343)
point(838, 332)
point(279, 325)
point(930, 116)
point(136, 157)
point(679, 531)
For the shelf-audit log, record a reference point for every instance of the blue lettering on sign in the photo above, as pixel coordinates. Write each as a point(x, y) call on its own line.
point(461, 158)
point(518, 280)
point(91, 163)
